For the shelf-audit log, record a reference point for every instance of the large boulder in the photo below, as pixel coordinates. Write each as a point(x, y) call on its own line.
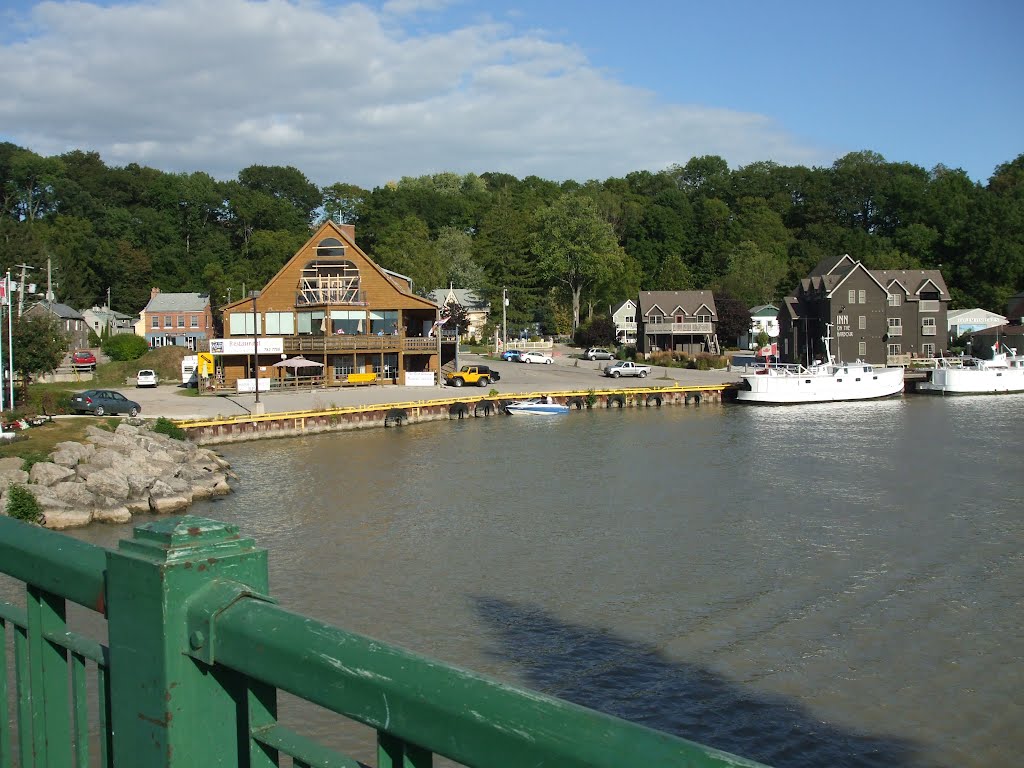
point(48, 473)
point(108, 482)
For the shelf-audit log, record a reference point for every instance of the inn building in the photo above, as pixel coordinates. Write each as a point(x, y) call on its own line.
point(331, 304)
point(879, 316)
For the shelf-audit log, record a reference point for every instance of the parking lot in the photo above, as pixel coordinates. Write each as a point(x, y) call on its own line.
point(567, 373)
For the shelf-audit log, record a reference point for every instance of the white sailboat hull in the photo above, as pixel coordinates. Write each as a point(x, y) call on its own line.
point(974, 381)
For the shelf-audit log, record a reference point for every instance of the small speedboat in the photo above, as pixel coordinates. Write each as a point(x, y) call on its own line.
point(538, 407)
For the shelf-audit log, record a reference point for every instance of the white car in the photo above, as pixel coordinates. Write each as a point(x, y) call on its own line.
point(535, 357)
point(145, 378)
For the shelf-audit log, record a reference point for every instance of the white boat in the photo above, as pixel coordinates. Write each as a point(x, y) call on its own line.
point(536, 407)
point(973, 376)
point(825, 382)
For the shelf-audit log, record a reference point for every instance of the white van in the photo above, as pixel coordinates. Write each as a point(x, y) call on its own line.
point(190, 370)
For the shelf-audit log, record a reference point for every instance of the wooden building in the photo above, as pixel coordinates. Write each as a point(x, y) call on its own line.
point(879, 316)
point(330, 303)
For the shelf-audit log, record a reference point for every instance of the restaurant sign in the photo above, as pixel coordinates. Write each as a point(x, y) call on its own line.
point(244, 346)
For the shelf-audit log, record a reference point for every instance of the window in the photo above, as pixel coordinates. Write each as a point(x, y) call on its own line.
point(851, 297)
point(629, 319)
point(329, 280)
point(181, 321)
point(862, 349)
point(282, 323)
point(895, 326)
point(193, 321)
point(895, 299)
point(311, 323)
point(155, 323)
point(927, 326)
point(862, 297)
point(241, 324)
point(703, 318)
point(928, 350)
point(862, 322)
point(894, 349)
point(656, 318)
point(168, 321)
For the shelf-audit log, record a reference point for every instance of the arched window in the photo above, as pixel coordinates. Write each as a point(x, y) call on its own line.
point(330, 278)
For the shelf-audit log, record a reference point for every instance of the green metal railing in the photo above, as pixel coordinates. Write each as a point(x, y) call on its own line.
point(198, 652)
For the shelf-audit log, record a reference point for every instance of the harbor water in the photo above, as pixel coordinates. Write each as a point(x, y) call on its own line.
point(826, 585)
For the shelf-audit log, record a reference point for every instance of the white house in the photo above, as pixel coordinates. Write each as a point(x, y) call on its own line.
point(961, 321)
point(624, 319)
point(477, 310)
point(100, 319)
point(764, 317)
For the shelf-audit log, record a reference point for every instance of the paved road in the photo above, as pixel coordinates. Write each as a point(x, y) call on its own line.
point(565, 374)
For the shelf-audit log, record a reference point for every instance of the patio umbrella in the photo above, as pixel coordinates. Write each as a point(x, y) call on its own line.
point(298, 362)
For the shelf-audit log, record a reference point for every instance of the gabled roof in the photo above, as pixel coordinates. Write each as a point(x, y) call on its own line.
point(834, 265)
point(622, 304)
point(764, 310)
point(346, 233)
point(464, 297)
point(178, 302)
point(894, 281)
point(688, 301)
point(107, 312)
point(857, 267)
point(63, 311)
point(914, 280)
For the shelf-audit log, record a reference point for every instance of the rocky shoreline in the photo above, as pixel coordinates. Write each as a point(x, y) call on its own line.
point(132, 470)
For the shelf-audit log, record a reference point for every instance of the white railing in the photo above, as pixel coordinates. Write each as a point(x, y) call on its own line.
point(895, 330)
point(928, 305)
point(928, 330)
point(678, 328)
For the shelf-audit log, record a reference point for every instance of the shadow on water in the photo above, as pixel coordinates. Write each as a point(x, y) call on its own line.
point(596, 669)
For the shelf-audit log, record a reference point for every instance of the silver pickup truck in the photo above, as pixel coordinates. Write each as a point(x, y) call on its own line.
point(626, 368)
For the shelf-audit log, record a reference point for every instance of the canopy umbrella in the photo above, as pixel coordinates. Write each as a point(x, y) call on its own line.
point(298, 362)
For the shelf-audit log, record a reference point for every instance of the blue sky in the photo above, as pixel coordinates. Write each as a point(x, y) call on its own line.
point(366, 93)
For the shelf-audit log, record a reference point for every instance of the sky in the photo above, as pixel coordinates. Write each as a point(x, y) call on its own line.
point(366, 93)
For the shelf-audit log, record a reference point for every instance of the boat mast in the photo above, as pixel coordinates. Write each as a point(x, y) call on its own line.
point(827, 338)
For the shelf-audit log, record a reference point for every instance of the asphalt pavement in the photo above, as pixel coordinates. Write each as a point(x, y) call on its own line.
point(567, 374)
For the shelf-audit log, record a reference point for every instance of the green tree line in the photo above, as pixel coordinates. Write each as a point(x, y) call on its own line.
point(564, 251)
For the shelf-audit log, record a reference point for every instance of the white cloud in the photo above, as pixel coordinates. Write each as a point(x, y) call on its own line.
point(343, 95)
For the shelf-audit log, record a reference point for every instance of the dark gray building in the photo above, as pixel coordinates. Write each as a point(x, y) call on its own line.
point(679, 321)
point(881, 316)
point(71, 321)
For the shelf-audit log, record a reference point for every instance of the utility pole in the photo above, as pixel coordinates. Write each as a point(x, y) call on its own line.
point(49, 282)
point(504, 324)
point(21, 287)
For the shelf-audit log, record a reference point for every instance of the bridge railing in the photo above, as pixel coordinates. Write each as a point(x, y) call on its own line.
point(197, 652)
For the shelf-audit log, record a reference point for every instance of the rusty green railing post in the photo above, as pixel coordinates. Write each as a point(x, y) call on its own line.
point(167, 708)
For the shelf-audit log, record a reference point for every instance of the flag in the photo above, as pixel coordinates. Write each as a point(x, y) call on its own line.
point(437, 325)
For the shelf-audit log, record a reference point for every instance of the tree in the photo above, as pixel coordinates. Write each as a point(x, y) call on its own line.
point(39, 345)
point(456, 317)
point(754, 275)
point(733, 316)
point(574, 246)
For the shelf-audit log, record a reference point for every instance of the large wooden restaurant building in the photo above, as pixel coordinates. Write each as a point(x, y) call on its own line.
point(331, 305)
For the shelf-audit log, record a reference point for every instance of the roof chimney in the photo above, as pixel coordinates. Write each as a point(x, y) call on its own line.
point(153, 292)
point(349, 230)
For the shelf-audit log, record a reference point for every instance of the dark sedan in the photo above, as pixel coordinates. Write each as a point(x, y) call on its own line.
point(99, 402)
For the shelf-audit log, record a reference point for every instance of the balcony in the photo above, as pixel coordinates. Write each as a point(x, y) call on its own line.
point(679, 328)
point(361, 343)
point(928, 305)
point(927, 330)
point(895, 330)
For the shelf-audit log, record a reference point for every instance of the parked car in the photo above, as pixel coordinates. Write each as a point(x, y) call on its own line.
point(82, 358)
point(535, 357)
point(145, 378)
point(626, 368)
point(512, 355)
point(477, 375)
point(596, 353)
point(99, 402)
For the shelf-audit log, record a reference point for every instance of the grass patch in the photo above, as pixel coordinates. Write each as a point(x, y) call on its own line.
point(166, 361)
point(40, 441)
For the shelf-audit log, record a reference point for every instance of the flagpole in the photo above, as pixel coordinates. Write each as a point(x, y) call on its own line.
point(10, 344)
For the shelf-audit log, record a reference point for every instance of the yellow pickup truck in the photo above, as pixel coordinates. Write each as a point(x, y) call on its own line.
point(468, 375)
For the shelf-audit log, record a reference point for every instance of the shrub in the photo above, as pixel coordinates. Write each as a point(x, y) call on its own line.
point(125, 346)
point(49, 401)
point(167, 427)
point(32, 457)
point(22, 505)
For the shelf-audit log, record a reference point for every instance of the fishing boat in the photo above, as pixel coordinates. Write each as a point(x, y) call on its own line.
point(974, 376)
point(536, 407)
point(822, 382)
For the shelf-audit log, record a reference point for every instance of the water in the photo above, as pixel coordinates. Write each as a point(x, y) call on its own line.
point(805, 586)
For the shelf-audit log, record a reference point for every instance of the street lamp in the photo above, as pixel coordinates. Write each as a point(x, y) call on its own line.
point(258, 409)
